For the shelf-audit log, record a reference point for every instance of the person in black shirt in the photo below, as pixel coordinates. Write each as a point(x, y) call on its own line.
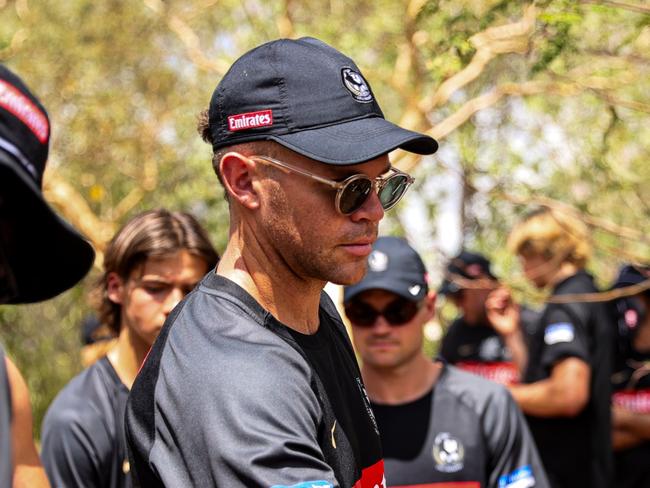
point(631, 381)
point(151, 263)
point(40, 257)
point(471, 343)
point(252, 381)
point(566, 393)
point(438, 425)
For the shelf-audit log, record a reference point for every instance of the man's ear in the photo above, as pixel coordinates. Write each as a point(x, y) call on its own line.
point(430, 305)
point(115, 287)
point(237, 175)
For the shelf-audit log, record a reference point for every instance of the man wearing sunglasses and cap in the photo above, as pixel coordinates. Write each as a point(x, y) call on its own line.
point(438, 424)
point(252, 381)
point(40, 257)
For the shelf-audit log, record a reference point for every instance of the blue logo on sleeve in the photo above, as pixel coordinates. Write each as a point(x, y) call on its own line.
point(519, 478)
point(308, 484)
point(560, 332)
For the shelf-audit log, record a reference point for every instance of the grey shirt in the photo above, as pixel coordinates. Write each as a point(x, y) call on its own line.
point(476, 434)
point(228, 397)
point(83, 431)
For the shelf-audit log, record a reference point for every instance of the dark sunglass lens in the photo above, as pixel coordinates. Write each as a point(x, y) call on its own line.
point(393, 190)
point(401, 311)
point(354, 194)
point(361, 314)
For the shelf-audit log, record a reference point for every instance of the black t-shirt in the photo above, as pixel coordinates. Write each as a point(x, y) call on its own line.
point(326, 353)
point(6, 463)
point(83, 431)
point(631, 390)
point(229, 396)
point(479, 349)
point(400, 426)
point(576, 451)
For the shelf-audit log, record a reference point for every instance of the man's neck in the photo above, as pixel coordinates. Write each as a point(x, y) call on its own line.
point(403, 384)
point(127, 356)
point(291, 299)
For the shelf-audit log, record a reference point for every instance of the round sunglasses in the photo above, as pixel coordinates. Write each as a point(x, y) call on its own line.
point(352, 192)
point(398, 312)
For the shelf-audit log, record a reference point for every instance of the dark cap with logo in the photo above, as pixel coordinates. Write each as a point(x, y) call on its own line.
point(630, 275)
point(44, 254)
point(468, 265)
point(311, 99)
point(393, 265)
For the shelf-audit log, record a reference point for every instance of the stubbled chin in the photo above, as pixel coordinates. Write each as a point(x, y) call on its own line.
point(352, 277)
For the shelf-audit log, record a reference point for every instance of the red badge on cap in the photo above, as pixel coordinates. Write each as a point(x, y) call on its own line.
point(22, 107)
point(250, 120)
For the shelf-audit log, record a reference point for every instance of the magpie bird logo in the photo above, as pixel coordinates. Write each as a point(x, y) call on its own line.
point(448, 453)
point(356, 85)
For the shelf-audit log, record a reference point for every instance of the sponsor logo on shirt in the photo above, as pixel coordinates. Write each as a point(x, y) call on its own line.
point(499, 372)
point(250, 120)
point(637, 401)
point(519, 478)
point(560, 332)
point(308, 484)
point(448, 453)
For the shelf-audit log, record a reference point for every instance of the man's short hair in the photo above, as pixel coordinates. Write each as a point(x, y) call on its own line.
point(155, 233)
point(262, 148)
point(544, 232)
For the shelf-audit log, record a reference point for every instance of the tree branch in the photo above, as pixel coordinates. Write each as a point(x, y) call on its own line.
point(188, 38)
point(509, 38)
point(625, 6)
point(74, 208)
point(607, 226)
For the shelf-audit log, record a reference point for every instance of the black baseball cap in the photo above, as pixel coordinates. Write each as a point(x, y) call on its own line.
point(44, 253)
point(311, 99)
point(393, 265)
point(630, 275)
point(468, 265)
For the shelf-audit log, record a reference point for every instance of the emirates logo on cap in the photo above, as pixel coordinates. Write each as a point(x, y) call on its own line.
point(22, 107)
point(250, 120)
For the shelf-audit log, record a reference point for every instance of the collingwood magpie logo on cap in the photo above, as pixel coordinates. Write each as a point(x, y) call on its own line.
point(377, 261)
point(356, 85)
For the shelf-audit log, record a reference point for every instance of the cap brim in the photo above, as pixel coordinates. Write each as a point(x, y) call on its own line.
point(355, 141)
point(48, 255)
point(381, 283)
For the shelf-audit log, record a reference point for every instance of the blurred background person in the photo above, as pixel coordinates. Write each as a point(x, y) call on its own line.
point(40, 257)
point(470, 342)
point(631, 381)
point(150, 265)
point(566, 395)
point(437, 424)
